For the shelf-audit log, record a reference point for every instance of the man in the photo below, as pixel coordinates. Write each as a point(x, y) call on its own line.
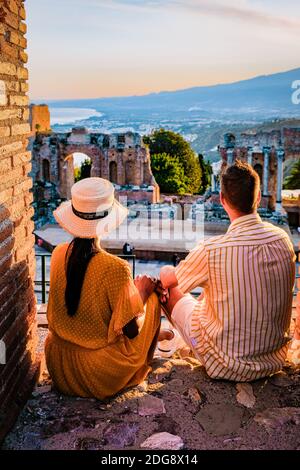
point(239, 327)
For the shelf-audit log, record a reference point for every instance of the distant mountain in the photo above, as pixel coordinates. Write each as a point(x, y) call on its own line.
point(265, 96)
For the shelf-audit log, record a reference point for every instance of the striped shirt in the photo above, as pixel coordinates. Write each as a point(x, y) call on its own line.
point(240, 326)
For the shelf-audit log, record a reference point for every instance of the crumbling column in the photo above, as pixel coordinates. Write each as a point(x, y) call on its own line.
point(250, 155)
point(229, 156)
point(213, 183)
point(280, 159)
point(266, 151)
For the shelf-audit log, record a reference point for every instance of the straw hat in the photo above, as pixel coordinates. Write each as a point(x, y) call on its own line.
point(93, 210)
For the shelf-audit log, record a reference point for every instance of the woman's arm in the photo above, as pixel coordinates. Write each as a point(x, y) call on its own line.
point(145, 285)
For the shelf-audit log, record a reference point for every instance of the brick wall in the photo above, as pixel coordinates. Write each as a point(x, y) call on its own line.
point(17, 303)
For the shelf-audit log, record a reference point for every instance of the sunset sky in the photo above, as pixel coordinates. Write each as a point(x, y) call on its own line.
point(98, 48)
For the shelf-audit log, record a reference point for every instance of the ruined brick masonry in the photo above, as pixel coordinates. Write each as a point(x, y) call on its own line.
point(17, 265)
point(266, 152)
point(121, 158)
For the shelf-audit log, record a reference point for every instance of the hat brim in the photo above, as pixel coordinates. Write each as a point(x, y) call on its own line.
point(81, 228)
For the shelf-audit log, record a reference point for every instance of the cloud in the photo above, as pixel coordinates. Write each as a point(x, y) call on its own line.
point(243, 13)
point(229, 9)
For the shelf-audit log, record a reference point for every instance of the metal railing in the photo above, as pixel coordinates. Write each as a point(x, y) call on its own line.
point(43, 283)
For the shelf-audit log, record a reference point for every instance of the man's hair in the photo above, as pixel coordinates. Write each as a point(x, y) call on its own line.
point(240, 185)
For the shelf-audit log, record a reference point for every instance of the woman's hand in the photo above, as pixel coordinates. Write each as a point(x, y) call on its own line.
point(145, 285)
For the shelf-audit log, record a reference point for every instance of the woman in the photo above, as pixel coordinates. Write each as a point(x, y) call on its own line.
point(103, 325)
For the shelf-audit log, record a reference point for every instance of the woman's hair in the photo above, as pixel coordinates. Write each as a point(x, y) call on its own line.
point(79, 254)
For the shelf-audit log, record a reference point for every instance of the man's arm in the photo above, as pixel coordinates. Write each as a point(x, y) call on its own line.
point(190, 273)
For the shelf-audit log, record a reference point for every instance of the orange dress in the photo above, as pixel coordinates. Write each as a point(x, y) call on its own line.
point(87, 355)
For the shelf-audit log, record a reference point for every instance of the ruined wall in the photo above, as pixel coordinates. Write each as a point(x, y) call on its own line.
point(120, 158)
point(17, 301)
point(39, 118)
point(267, 202)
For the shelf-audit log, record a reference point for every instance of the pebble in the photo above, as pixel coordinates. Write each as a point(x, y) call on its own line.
point(120, 435)
point(281, 379)
point(194, 395)
point(277, 417)
point(163, 441)
point(245, 395)
point(151, 406)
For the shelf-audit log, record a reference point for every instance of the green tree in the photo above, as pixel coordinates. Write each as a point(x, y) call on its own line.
point(174, 145)
point(206, 170)
point(293, 180)
point(168, 173)
point(77, 173)
point(84, 171)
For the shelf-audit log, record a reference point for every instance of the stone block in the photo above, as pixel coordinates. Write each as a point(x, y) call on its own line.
point(6, 68)
point(18, 100)
point(20, 129)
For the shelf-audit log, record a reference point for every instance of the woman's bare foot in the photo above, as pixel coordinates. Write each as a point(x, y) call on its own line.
point(166, 335)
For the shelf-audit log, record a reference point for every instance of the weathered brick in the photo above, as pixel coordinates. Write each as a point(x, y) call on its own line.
point(18, 100)
point(22, 13)
point(10, 114)
point(6, 246)
point(5, 263)
point(12, 6)
point(23, 56)
point(2, 29)
point(13, 37)
point(22, 73)
point(6, 228)
point(6, 68)
point(27, 169)
point(5, 165)
point(20, 188)
point(25, 113)
point(23, 28)
point(16, 209)
point(23, 42)
point(20, 129)
point(4, 131)
point(12, 20)
point(23, 251)
point(21, 158)
point(9, 49)
point(4, 213)
point(6, 195)
point(13, 86)
point(10, 148)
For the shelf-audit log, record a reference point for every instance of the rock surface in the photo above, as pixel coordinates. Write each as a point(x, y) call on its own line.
point(170, 404)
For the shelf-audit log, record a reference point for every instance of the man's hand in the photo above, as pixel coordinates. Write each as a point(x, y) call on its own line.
point(168, 277)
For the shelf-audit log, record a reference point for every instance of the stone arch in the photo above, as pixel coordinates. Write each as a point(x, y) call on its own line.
point(113, 172)
point(66, 163)
point(46, 176)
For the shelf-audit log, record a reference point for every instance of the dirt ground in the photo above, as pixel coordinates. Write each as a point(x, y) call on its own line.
point(178, 399)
